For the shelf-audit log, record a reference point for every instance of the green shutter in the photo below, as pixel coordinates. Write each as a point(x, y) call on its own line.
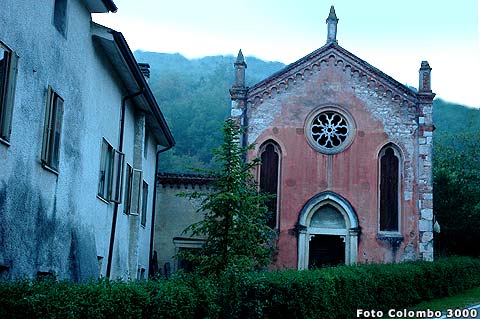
point(47, 126)
point(9, 95)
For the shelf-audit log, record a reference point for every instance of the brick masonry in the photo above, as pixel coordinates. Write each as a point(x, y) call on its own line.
point(384, 111)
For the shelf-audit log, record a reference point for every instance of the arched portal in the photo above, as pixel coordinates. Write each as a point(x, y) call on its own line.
point(328, 232)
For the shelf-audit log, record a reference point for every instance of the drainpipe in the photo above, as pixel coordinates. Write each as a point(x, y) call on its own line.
point(152, 227)
point(115, 207)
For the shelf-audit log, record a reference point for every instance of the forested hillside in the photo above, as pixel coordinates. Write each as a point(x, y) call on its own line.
point(194, 98)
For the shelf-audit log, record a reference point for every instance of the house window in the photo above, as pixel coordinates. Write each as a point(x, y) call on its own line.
point(60, 16)
point(187, 246)
point(389, 189)
point(329, 130)
point(8, 73)
point(269, 173)
point(143, 220)
point(111, 173)
point(52, 130)
point(145, 143)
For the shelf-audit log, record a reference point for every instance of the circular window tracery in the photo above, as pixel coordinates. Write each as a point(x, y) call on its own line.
point(329, 130)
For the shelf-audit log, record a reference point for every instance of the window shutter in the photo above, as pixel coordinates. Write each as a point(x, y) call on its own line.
point(144, 203)
point(136, 192)
point(47, 126)
point(56, 130)
point(128, 190)
point(9, 97)
point(117, 176)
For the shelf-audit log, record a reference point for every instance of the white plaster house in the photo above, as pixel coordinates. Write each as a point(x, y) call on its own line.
point(80, 134)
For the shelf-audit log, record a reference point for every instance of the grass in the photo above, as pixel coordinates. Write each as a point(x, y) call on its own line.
point(462, 300)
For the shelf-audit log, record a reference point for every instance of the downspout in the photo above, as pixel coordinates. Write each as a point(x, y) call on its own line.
point(152, 227)
point(115, 207)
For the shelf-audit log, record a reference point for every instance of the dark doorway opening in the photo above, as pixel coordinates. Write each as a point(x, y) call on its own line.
point(326, 250)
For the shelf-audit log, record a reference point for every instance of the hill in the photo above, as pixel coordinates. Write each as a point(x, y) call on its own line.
point(194, 98)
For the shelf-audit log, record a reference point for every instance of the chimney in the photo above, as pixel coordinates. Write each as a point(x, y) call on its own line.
point(145, 69)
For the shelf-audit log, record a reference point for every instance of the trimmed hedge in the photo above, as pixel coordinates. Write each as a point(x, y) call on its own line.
point(323, 293)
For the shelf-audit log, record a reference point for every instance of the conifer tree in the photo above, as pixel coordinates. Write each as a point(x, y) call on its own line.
point(235, 213)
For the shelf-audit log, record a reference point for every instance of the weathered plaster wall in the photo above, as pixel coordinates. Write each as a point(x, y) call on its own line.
point(173, 215)
point(56, 223)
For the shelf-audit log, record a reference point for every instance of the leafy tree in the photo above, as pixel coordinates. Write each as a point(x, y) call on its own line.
point(457, 193)
point(234, 225)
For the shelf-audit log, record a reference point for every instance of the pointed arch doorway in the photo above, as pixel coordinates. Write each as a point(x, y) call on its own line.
point(328, 232)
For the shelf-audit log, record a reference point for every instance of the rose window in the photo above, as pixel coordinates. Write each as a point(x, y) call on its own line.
point(329, 131)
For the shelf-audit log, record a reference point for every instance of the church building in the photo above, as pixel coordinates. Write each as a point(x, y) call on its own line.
point(347, 150)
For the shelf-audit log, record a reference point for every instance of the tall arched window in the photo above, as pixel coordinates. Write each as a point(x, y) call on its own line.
point(269, 178)
point(390, 161)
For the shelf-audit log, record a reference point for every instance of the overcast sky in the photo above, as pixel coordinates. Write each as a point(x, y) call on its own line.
point(394, 36)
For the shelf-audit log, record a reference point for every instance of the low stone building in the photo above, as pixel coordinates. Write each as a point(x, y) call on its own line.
point(173, 215)
point(80, 134)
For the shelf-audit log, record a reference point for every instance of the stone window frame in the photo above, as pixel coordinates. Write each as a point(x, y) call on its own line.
point(52, 131)
point(7, 91)
point(277, 149)
point(110, 180)
point(397, 151)
point(342, 111)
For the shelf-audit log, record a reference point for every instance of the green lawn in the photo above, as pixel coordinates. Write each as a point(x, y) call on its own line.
point(462, 300)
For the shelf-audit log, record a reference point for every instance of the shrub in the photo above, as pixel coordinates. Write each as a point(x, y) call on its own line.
point(322, 293)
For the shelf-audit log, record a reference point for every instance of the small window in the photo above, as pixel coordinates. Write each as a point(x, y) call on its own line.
point(145, 143)
point(111, 173)
point(141, 273)
point(187, 265)
point(144, 204)
point(389, 189)
point(8, 74)
point(52, 130)
point(60, 16)
point(4, 273)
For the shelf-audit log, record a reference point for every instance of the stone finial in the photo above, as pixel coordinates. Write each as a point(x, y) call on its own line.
point(424, 85)
point(240, 58)
point(240, 67)
point(332, 22)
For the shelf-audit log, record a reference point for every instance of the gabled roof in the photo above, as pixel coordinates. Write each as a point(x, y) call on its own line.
point(331, 52)
point(121, 57)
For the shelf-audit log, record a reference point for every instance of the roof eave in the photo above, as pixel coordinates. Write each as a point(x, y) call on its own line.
point(332, 45)
point(100, 6)
point(122, 59)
